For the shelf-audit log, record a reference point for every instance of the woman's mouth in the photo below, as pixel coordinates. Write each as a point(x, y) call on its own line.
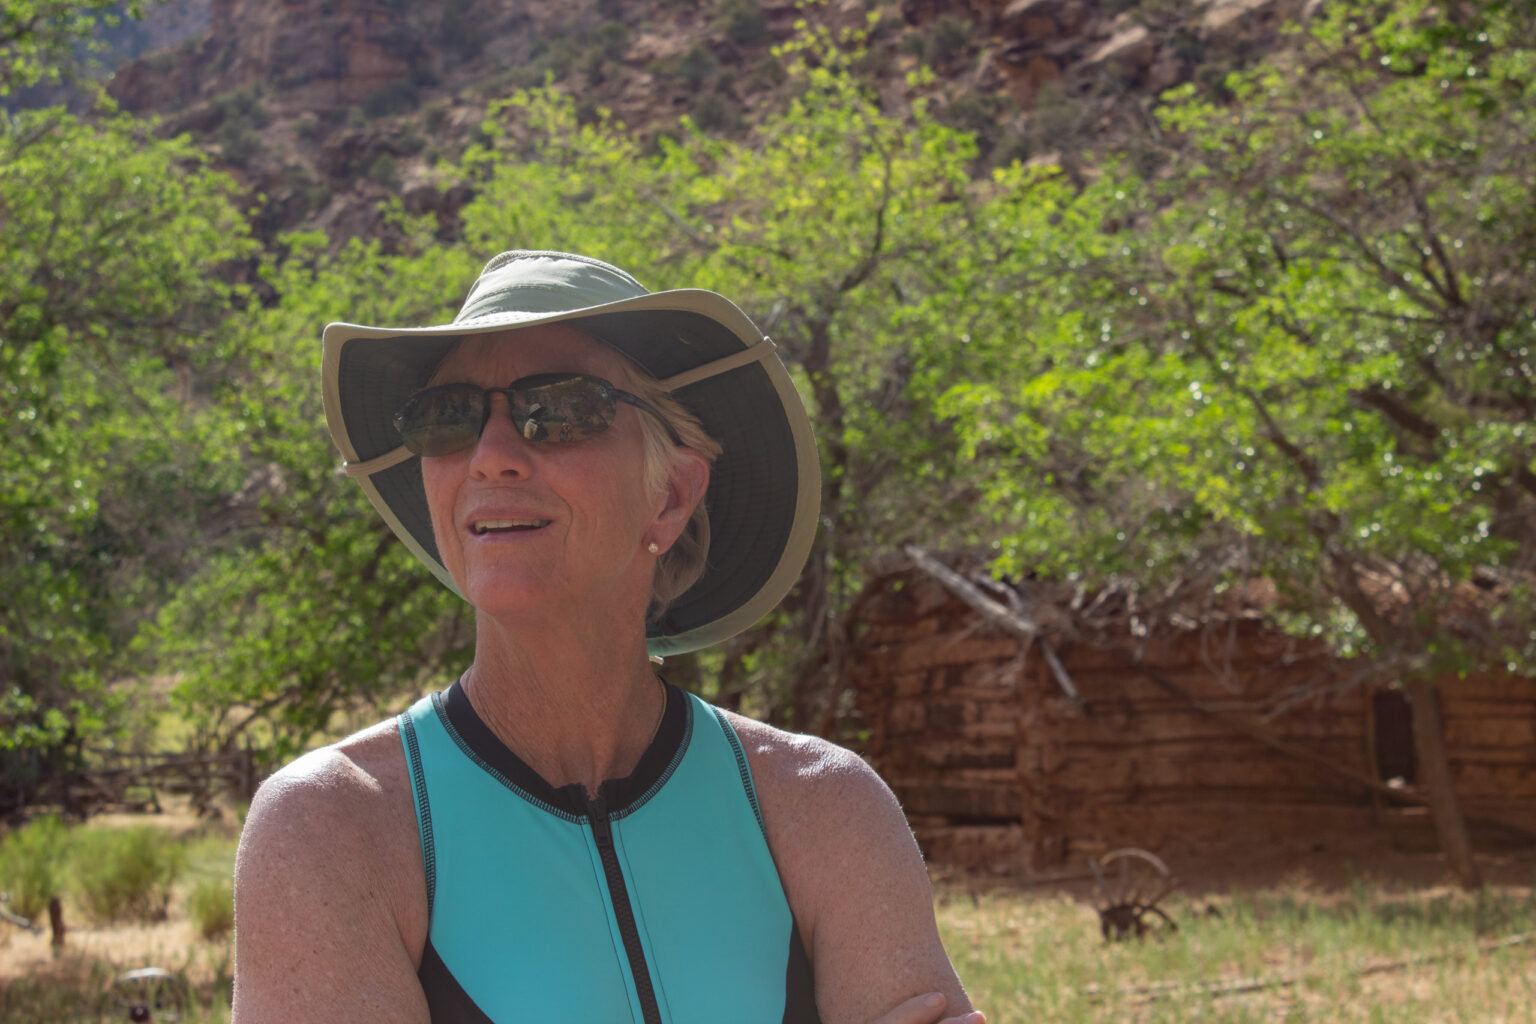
point(480, 527)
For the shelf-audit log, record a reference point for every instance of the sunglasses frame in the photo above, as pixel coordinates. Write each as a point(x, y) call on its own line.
point(606, 391)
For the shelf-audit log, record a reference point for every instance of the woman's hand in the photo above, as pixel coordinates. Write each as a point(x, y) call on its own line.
point(927, 1009)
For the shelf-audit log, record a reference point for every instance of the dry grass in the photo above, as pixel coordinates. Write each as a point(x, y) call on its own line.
point(40, 985)
point(1305, 946)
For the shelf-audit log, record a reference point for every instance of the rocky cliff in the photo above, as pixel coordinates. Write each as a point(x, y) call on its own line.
point(323, 105)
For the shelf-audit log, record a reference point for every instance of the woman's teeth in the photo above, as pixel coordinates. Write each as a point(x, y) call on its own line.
point(492, 525)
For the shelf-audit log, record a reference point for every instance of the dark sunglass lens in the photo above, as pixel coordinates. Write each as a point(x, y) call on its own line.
point(442, 420)
point(573, 409)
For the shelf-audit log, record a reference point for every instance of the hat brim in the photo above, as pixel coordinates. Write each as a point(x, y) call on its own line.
point(764, 491)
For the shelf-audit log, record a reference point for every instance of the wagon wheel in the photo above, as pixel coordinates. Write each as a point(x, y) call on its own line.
point(147, 994)
point(1132, 882)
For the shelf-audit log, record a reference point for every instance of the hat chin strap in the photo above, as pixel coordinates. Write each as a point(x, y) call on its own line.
point(725, 364)
point(394, 457)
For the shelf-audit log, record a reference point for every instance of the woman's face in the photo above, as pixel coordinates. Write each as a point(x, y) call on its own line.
point(531, 529)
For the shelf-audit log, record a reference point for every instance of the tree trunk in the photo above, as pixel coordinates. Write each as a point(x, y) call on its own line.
point(1434, 769)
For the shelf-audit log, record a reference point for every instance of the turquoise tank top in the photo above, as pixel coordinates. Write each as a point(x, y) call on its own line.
point(656, 901)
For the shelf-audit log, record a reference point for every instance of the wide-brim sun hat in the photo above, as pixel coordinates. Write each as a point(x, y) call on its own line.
point(765, 487)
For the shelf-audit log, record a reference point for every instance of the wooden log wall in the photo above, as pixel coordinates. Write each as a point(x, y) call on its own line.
point(1490, 735)
point(1236, 741)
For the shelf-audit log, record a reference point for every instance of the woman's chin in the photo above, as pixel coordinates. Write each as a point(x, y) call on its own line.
point(501, 597)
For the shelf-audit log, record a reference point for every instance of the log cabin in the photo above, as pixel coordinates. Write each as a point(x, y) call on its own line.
point(1022, 741)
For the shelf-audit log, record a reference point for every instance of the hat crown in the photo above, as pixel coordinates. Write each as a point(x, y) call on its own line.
point(532, 281)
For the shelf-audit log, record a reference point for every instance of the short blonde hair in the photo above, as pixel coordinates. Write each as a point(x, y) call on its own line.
point(681, 565)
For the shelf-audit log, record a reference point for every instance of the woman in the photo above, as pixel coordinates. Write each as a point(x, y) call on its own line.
point(606, 475)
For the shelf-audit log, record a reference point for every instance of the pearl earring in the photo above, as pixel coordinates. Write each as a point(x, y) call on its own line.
point(653, 548)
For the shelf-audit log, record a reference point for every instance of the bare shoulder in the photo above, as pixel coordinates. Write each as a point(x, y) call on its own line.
point(351, 793)
point(811, 785)
point(821, 800)
point(330, 898)
point(853, 874)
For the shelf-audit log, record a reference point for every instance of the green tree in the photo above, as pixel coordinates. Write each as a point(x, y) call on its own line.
point(1303, 353)
point(42, 41)
point(119, 248)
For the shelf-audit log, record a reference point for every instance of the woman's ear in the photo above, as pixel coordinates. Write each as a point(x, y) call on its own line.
point(687, 480)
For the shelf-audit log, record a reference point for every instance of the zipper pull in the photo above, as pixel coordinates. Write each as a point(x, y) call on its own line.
point(602, 831)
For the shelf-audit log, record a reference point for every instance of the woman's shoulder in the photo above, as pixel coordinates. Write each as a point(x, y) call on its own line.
point(347, 802)
point(349, 778)
point(817, 797)
point(815, 768)
point(851, 871)
point(330, 891)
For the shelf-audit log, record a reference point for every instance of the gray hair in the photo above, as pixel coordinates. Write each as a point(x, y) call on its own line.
point(681, 565)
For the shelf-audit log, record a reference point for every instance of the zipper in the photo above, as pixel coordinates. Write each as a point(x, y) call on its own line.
point(623, 910)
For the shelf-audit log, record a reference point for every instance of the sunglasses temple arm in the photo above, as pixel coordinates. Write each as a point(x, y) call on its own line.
point(640, 403)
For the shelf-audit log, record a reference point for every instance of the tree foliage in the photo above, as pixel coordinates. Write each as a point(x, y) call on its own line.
point(302, 605)
point(118, 247)
point(1302, 351)
point(43, 41)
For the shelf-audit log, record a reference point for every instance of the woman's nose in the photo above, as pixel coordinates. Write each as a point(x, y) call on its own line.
point(501, 449)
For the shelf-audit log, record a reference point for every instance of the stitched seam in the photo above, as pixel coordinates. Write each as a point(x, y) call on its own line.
point(419, 781)
point(661, 780)
point(741, 766)
point(439, 701)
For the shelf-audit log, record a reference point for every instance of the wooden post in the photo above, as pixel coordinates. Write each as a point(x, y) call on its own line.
point(247, 774)
point(56, 921)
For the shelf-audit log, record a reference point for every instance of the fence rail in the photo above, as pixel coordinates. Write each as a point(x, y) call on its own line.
point(137, 782)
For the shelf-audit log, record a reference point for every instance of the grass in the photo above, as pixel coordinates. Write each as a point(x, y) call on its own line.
point(30, 866)
point(125, 873)
point(38, 986)
point(1368, 954)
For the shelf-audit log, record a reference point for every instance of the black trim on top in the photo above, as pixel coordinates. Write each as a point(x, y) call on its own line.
point(799, 983)
point(621, 795)
point(446, 999)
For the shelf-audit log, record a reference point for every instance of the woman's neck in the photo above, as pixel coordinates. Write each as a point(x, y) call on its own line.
point(576, 709)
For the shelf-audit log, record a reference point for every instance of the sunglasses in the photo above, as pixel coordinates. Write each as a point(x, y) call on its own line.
point(553, 407)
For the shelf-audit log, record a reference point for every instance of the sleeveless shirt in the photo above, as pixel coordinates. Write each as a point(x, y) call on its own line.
point(656, 901)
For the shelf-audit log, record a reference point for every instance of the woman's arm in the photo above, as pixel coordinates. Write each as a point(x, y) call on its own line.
point(855, 881)
point(325, 920)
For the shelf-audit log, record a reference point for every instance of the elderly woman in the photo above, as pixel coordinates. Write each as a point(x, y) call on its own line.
point(606, 475)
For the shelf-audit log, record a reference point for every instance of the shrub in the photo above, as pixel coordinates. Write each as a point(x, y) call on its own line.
point(211, 905)
point(385, 170)
point(29, 865)
point(743, 21)
point(394, 98)
point(125, 873)
point(942, 42)
point(697, 65)
point(715, 111)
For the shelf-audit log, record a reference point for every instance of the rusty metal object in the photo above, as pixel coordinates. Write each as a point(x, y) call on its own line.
point(1131, 883)
point(147, 994)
